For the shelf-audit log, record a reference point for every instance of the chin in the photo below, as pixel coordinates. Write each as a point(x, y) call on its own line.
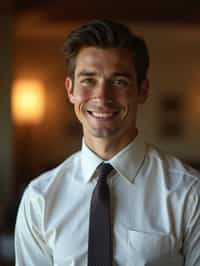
point(103, 133)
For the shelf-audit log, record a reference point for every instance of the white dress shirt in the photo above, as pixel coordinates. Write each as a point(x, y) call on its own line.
point(155, 211)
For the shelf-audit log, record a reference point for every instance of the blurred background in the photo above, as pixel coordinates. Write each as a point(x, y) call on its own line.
point(38, 129)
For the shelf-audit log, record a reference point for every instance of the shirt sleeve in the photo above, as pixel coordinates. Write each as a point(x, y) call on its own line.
point(191, 247)
point(30, 246)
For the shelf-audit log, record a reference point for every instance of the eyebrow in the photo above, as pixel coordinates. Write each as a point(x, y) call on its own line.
point(123, 74)
point(115, 74)
point(86, 73)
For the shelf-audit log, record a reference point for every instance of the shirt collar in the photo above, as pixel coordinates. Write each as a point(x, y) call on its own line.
point(89, 162)
point(127, 162)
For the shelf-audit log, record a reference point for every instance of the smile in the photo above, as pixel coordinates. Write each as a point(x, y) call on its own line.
point(103, 115)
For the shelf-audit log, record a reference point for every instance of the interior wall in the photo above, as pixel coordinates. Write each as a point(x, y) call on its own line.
point(6, 162)
point(174, 74)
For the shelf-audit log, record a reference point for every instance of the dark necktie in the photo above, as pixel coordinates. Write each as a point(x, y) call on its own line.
point(100, 234)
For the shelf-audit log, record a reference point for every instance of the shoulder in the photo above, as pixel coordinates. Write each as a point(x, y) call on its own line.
point(172, 169)
point(45, 191)
point(54, 178)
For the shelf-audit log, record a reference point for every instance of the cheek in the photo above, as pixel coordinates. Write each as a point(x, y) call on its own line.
point(132, 96)
point(81, 96)
point(125, 98)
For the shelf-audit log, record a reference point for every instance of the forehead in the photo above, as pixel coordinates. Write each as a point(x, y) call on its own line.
point(109, 59)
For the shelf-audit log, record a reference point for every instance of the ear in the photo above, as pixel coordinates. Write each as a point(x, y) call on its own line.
point(69, 89)
point(144, 91)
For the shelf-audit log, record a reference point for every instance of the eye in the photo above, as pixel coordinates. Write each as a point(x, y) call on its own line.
point(121, 83)
point(87, 81)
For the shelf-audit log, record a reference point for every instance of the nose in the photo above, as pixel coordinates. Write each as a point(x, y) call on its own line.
point(103, 91)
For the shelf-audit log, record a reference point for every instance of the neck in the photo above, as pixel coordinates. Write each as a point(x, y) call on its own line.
point(106, 148)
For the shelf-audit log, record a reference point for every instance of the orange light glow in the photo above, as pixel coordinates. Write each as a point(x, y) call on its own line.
point(28, 101)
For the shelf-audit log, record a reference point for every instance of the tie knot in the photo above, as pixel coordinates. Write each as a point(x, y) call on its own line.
point(103, 170)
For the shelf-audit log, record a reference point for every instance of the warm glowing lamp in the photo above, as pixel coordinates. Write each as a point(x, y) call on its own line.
point(28, 101)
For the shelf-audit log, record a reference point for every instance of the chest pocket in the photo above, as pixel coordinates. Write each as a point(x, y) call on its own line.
point(152, 249)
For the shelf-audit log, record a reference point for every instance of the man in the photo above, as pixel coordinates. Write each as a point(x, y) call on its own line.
point(154, 200)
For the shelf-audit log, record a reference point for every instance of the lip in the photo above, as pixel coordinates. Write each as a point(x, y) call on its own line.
point(103, 115)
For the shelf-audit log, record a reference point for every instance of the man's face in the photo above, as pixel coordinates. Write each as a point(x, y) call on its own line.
point(105, 93)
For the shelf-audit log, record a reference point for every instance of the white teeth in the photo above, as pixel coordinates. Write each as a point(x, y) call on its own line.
point(102, 115)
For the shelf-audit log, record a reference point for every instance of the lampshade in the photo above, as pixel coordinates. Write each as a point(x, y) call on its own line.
point(28, 101)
